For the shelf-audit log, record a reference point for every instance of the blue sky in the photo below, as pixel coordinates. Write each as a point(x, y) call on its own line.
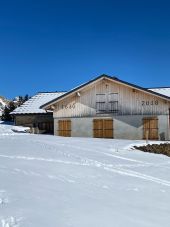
point(48, 45)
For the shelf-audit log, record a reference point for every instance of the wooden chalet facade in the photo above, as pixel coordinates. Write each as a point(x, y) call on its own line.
point(107, 107)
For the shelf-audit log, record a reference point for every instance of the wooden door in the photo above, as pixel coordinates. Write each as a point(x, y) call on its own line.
point(98, 128)
point(47, 127)
point(150, 128)
point(108, 128)
point(64, 128)
point(103, 128)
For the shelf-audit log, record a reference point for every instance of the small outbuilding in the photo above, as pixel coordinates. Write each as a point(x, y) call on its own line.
point(31, 115)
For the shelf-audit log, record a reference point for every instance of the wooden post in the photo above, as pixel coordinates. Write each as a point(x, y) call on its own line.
point(147, 136)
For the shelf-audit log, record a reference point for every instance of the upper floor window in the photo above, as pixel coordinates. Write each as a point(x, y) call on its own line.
point(100, 102)
point(113, 102)
point(107, 103)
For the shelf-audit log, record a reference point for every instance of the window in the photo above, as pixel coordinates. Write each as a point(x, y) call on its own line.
point(113, 106)
point(107, 103)
point(113, 103)
point(100, 103)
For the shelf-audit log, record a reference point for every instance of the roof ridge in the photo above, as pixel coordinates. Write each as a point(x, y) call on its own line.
point(157, 87)
point(108, 77)
point(49, 92)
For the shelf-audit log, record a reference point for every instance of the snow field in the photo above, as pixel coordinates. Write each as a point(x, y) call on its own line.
point(79, 182)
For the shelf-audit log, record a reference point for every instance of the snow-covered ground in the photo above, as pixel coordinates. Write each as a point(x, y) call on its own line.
point(48, 181)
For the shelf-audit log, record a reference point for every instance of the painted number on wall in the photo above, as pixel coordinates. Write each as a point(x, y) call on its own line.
point(149, 103)
point(69, 106)
point(66, 106)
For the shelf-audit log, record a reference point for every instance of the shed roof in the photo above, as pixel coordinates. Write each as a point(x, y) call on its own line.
point(32, 106)
point(161, 90)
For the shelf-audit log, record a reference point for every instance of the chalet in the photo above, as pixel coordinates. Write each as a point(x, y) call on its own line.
point(107, 107)
point(29, 114)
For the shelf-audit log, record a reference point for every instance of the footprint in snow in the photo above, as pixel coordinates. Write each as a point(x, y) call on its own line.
point(3, 197)
point(10, 222)
point(105, 187)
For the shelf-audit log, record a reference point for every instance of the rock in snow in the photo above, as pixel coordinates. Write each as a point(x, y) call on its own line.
point(80, 182)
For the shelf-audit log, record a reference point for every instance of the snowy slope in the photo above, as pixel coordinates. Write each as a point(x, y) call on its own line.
point(48, 181)
point(2, 105)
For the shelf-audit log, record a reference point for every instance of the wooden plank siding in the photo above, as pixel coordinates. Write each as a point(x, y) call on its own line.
point(129, 101)
point(150, 128)
point(103, 128)
point(98, 128)
point(64, 128)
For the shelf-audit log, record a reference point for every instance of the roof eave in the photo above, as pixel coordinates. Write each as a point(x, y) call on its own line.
point(108, 77)
point(71, 91)
point(45, 113)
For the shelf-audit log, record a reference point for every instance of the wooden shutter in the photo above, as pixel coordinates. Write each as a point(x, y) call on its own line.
point(103, 128)
point(98, 128)
point(64, 128)
point(150, 128)
point(108, 128)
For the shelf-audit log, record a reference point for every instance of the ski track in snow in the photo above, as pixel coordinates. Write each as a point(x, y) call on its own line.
point(93, 163)
point(105, 158)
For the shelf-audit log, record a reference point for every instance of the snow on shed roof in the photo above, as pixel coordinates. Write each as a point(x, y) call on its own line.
point(32, 106)
point(161, 90)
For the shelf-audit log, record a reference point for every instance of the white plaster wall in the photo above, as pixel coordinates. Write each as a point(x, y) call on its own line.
point(82, 127)
point(128, 127)
point(163, 125)
point(125, 127)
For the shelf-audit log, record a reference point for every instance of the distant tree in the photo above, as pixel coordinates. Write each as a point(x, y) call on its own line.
point(6, 113)
point(21, 99)
point(26, 97)
point(18, 101)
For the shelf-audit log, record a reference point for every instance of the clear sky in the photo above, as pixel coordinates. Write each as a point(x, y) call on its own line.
point(51, 45)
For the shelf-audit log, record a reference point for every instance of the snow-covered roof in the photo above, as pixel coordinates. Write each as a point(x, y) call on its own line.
point(162, 90)
point(32, 106)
